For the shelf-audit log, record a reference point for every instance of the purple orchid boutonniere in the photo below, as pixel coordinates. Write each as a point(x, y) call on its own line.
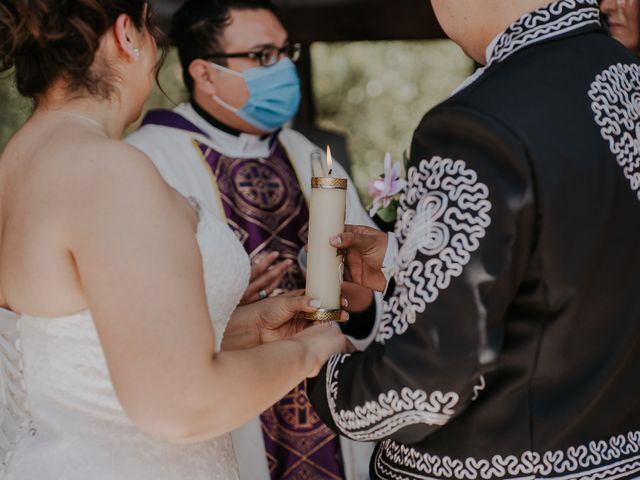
point(385, 191)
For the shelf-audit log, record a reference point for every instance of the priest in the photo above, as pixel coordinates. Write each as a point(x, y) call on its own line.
point(510, 343)
point(229, 146)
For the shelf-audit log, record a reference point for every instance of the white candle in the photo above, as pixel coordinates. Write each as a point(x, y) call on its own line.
point(324, 263)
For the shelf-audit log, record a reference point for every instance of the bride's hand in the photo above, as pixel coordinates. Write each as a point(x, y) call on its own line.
point(283, 316)
point(269, 320)
point(321, 342)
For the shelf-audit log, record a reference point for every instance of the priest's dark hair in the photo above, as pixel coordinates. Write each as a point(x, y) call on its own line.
point(198, 26)
point(49, 40)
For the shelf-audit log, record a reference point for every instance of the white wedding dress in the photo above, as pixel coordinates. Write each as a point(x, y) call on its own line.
point(61, 419)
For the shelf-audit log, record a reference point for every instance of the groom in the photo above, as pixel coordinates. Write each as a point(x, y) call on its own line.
point(510, 342)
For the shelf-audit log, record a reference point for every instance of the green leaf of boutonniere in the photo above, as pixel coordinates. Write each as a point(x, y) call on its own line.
point(389, 213)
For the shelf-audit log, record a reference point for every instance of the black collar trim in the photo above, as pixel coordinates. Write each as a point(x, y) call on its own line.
point(213, 121)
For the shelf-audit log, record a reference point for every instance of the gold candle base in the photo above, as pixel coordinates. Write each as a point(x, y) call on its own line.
point(323, 315)
point(329, 183)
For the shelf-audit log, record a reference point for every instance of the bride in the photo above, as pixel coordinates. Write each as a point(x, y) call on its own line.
point(116, 291)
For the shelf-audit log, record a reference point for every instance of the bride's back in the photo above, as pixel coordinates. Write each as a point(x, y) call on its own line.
point(89, 79)
point(39, 192)
point(96, 252)
point(61, 416)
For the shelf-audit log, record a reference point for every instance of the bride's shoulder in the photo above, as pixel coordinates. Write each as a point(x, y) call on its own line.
point(107, 164)
point(105, 153)
point(109, 174)
point(64, 165)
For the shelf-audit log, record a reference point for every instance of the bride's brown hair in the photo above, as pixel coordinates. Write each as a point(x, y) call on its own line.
point(48, 40)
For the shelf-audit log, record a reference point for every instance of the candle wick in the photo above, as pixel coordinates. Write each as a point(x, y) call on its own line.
point(331, 172)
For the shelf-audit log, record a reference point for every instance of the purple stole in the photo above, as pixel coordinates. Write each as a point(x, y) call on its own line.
point(267, 211)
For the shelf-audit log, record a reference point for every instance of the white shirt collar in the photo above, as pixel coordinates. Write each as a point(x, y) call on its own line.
point(488, 53)
point(244, 145)
point(475, 75)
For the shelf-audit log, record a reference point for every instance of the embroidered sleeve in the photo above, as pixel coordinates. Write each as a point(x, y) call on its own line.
point(464, 233)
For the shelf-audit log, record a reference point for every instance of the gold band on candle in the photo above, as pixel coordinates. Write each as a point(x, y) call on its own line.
point(329, 183)
point(323, 315)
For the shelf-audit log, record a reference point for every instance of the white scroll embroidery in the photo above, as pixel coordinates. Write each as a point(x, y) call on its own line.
point(390, 412)
point(547, 22)
point(444, 213)
point(612, 459)
point(482, 384)
point(615, 95)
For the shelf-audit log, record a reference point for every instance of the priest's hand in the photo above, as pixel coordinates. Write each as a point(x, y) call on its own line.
point(266, 275)
point(366, 248)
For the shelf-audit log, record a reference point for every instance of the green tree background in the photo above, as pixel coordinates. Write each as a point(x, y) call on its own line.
point(373, 92)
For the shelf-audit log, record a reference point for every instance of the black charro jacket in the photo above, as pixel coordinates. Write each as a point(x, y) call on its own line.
point(510, 347)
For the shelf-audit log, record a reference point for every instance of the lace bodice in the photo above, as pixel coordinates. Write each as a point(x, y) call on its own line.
point(60, 418)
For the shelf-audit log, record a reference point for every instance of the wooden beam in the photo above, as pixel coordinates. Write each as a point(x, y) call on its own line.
point(345, 20)
point(307, 111)
point(353, 21)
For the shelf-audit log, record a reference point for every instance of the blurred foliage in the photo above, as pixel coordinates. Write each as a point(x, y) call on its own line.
point(14, 109)
point(373, 92)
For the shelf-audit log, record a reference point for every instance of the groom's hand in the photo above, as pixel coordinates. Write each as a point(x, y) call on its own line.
point(365, 248)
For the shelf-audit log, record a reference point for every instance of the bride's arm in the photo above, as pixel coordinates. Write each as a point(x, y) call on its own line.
point(132, 239)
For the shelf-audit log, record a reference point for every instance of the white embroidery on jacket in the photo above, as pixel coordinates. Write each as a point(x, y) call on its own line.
point(549, 21)
point(390, 412)
point(443, 214)
point(616, 458)
point(615, 95)
point(482, 384)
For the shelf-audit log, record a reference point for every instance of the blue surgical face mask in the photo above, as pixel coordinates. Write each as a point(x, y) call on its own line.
point(274, 95)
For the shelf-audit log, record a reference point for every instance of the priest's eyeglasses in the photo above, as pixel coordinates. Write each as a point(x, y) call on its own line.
point(268, 56)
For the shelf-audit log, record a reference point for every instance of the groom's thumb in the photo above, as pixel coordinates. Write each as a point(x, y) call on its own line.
point(352, 240)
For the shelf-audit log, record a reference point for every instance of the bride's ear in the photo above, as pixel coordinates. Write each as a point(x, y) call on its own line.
point(127, 38)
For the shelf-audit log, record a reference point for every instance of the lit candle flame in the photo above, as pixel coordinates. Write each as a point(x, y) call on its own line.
point(329, 160)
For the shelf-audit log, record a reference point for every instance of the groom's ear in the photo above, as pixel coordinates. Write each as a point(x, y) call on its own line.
point(203, 76)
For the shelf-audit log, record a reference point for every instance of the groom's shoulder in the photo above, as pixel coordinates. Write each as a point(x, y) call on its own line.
point(546, 74)
point(544, 87)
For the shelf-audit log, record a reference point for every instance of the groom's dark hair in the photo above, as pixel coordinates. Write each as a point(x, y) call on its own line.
point(198, 26)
